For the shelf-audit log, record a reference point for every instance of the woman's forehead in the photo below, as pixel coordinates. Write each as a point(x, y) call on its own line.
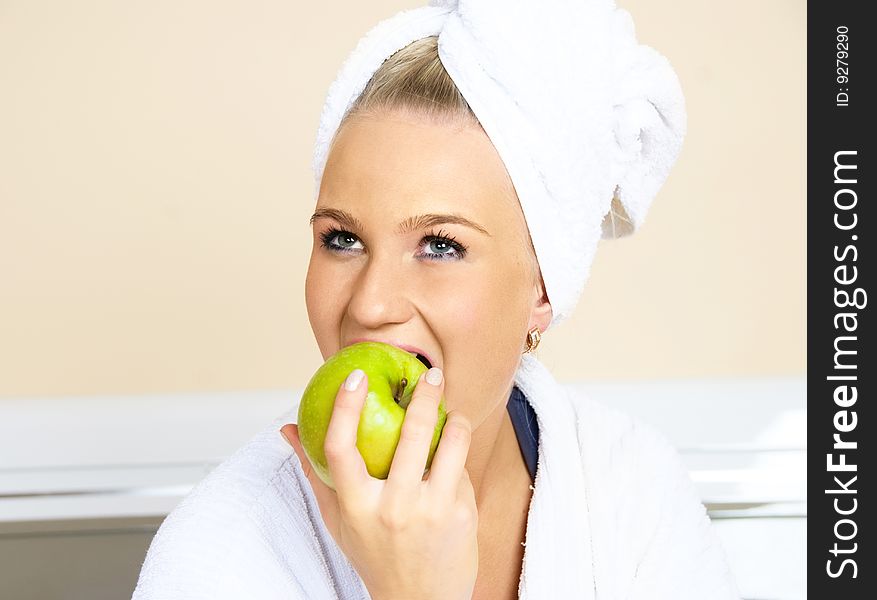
point(398, 160)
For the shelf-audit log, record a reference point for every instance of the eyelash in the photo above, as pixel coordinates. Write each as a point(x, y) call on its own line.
point(441, 236)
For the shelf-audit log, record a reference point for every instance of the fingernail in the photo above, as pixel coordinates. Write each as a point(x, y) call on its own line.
point(353, 380)
point(434, 376)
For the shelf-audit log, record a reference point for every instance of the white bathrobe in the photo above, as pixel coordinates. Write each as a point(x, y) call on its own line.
point(613, 515)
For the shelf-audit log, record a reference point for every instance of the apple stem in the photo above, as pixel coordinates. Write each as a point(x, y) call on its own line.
point(400, 390)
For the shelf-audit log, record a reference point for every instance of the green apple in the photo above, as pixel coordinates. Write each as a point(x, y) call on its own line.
point(393, 374)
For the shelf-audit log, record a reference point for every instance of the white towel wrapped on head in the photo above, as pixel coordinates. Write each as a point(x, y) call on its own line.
point(577, 109)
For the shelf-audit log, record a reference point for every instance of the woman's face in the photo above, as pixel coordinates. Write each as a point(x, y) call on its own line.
point(419, 240)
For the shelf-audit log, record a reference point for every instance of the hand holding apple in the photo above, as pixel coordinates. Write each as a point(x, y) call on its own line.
point(392, 377)
point(406, 536)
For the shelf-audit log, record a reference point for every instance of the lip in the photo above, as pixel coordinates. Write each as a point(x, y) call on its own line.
point(406, 347)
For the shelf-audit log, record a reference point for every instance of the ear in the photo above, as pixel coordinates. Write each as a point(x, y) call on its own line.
point(541, 314)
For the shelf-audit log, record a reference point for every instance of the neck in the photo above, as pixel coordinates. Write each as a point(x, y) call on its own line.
point(494, 453)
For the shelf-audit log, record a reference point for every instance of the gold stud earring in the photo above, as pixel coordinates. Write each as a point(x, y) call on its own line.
point(533, 339)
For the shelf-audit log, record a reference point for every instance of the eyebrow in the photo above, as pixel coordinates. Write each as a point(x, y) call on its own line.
point(409, 224)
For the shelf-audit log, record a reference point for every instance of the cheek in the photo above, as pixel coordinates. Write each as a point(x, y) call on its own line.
point(487, 306)
point(492, 302)
point(482, 322)
point(324, 302)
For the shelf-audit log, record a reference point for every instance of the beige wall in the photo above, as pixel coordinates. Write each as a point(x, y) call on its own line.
point(155, 189)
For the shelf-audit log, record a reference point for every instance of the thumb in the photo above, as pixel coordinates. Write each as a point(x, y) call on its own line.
point(290, 432)
point(325, 496)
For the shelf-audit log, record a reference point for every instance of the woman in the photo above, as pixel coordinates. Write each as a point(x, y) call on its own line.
point(442, 202)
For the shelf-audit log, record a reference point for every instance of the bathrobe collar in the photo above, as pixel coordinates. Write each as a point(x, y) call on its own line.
point(558, 555)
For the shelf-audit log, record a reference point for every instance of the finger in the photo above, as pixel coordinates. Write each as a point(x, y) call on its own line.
point(449, 461)
point(326, 498)
point(321, 490)
point(418, 430)
point(465, 489)
point(466, 509)
point(290, 433)
point(346, 465)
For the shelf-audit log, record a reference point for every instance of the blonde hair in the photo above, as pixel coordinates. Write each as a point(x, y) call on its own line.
point(415, 81)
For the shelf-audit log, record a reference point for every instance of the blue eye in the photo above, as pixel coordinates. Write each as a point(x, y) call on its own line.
point(345, 238)
point(444, 246)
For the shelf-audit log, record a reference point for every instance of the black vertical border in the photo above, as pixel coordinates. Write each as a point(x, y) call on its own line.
point(835, 126)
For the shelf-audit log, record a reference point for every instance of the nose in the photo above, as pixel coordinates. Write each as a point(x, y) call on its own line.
point(380, 294)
